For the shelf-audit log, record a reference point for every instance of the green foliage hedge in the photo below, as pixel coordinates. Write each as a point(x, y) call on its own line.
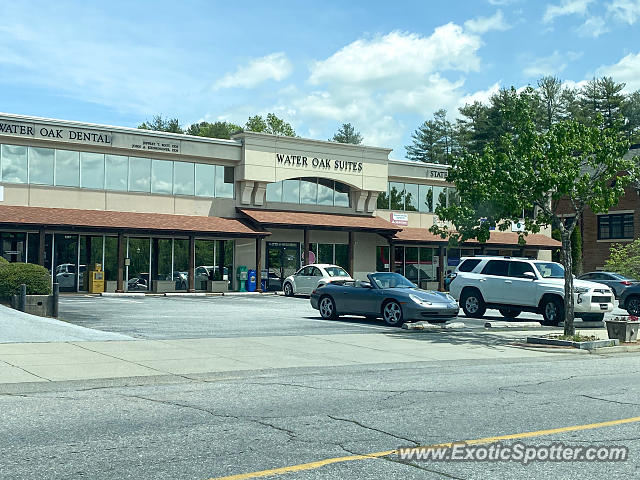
point(35, 277)
point(3, 261)
point(625, 259)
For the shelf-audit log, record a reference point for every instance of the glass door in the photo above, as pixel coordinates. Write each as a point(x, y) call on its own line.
point(283, 259)
point(90, 254)
point(65, 259)
point(138, 274)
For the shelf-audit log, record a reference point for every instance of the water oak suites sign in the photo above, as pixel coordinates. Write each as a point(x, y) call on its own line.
point(316, 163)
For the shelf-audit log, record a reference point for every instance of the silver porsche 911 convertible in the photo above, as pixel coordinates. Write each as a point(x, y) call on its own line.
point(387, 295)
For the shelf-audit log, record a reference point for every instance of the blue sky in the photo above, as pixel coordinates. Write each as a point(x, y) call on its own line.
point(383, 66)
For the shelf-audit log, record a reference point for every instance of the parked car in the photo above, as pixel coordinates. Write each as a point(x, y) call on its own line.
point(514, 285)
point(630, 300)
point(616, 282)
point(66, 275)
point(181, 279)
point(387, 295)
point(305, 280)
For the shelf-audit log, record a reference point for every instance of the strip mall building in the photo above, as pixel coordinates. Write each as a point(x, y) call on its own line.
point(161, 211)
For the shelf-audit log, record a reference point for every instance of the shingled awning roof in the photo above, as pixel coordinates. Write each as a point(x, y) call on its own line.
point(129, 221)
point(325, 221)
point(507, 239)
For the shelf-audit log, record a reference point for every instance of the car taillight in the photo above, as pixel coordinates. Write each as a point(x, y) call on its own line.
point(626, 282)
point(314, 291)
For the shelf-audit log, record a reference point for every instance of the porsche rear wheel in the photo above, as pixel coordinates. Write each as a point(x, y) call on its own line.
point(327, 308)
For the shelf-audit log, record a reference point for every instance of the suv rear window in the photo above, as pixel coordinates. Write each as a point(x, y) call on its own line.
point(468, 264)
point(496, 267)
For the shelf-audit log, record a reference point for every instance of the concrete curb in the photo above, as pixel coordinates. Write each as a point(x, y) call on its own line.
point(121, 295)
point(433, 326)
point(589, 345)
point(188, 294)
point(517, 325)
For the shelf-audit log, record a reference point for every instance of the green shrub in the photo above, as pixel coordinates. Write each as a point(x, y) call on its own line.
point(35, 277)
point(625, 259)
point(3, 261)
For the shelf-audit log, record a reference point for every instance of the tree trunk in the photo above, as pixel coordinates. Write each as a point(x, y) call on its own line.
point(567, 262)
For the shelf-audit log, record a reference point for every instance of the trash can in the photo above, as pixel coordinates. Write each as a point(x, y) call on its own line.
point(252, 281)
point(241, 276)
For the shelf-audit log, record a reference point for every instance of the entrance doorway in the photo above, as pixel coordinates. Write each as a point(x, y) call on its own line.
point(283, 259)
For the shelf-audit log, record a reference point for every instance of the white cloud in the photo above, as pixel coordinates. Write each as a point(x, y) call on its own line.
point(482, 96)
point(275, 66)
point(593, 27)
point(400, 56)
point(627, 70)
point(566, 7)
point(551, 65)
point(627, 11)
point(482, 25)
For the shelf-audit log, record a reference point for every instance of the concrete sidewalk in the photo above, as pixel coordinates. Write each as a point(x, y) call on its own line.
point(42, 362)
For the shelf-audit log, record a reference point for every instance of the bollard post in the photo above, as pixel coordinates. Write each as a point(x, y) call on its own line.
point(22, 306)
point(56, 297)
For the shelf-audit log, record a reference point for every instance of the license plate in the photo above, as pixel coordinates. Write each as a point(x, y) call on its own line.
point(604, 306)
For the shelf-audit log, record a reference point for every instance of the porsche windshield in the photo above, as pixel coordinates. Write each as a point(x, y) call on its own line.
point(391, 280)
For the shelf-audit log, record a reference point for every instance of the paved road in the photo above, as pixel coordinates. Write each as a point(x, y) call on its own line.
point(162, 318)
point(245, 422)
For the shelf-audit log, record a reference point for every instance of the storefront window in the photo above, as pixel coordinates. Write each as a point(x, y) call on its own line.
point(41, 166)
point(65, 258)
point(382, 259)
point(425, 195)
point(67, 168)
point(183, 178)
point(110, 265)
point(274, 192)
point(139, 174)
point(181, 263)
point(325, 253)
point(396, 194)
point(399, 260)
point(411, 198)
point(90, 254)
point(92, 170)
point(342, 255)
point(14, 164)
point(161, 259)
point(341, 195)
point(291, 191)
point(224, 181)
point(161, 176)
point(325, 191)
point(427, 269)
point(205, 180)
point(439, 197)
point(383, 200)
point(117, 171)
point(308, 191)
point(13, 247)
point(138, 273)
point(411, 263)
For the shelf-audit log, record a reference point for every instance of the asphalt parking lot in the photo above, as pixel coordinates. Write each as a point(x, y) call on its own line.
point(161, 318)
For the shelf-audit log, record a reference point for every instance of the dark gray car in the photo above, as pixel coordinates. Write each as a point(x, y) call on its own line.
point(630, 300)
point(387, 295)
point(616, 282)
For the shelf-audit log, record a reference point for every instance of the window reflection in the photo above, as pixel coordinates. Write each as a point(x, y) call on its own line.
point(92, 170)
point(67, 168)
point(41, 166)
point(161, 176)
point(224, 181)
point(205, 180)
point(14, 164)
point(274, 192)
point(117, 170)
point(325, 191)
point(183, 178)
point(309, 191)
point(139, 174)
point(291, 191)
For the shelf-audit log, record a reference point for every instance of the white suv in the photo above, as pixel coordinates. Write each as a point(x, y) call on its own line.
point(513, 285)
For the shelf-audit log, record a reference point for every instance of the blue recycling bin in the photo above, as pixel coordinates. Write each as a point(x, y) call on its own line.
point(252, 280)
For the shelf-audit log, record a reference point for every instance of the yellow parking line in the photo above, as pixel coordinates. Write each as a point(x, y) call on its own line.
point(477, 441)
